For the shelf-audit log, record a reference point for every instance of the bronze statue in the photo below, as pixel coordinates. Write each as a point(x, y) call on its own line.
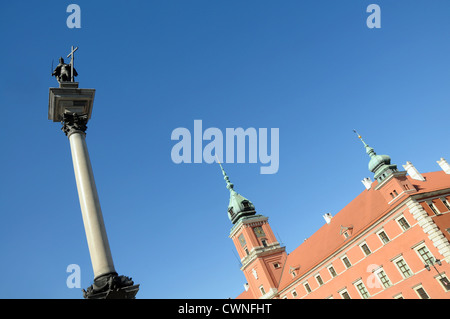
point(63, 71)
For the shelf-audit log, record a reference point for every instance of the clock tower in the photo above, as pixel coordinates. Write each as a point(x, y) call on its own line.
point(262, 257)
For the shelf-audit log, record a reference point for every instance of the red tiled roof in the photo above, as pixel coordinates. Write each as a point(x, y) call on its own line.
point(245, 295)
point(362, 211)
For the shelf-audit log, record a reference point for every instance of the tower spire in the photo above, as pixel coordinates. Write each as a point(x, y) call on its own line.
point(230, 185)
point(380, 165)
point(239, 206)
point(369, 150)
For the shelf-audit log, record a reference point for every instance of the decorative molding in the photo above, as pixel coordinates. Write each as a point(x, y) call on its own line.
point(72, 122)
point(430, 228)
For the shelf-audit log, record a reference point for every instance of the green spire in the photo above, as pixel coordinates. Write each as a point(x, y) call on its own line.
point(380, 165)
point(230, 185)
point(239, 206)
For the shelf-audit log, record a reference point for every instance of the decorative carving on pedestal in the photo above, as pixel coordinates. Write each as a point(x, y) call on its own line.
point(73, 122)
point(111, 286)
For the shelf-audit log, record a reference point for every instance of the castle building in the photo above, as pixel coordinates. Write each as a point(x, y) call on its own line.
point(391, 241)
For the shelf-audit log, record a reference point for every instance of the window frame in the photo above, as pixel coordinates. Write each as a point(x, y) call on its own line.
point(400, 223)
point(398, 259)
point(345, 264)
point(380, 237)
point(364, 293)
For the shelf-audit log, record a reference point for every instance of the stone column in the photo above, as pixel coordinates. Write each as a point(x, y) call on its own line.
point(101, 258)
point(72, 107)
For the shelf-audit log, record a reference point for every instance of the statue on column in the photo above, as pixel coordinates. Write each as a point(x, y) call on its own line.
point(63, 71)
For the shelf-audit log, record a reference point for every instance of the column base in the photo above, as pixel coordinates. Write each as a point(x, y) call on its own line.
point(111, 286)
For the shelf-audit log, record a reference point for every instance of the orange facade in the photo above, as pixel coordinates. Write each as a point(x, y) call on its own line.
point(375, 247)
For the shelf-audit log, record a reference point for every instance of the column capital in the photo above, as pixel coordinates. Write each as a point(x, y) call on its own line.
point(73, 122)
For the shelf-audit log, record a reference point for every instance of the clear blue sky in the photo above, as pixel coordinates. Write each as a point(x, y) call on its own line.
point(313, 69)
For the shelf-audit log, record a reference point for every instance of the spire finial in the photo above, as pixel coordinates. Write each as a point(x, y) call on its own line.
point(225, 176)
point(369, 150)
point(359, 136)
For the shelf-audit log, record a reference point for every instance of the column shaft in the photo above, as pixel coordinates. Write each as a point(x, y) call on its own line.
point(94, 226)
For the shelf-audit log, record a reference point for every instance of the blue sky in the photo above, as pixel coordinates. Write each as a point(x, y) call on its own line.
point(313, 69)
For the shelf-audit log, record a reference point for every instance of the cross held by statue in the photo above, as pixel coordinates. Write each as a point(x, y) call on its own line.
point(72, 57)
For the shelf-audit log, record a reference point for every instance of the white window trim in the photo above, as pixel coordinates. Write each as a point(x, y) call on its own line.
point(397, 259)
point(399, 225)
point(342, 291)
point(430, 202)
point(304, 286)
point(362, 244)
point(342, 260)
point(438, 277)
point(420, 246)
point(376, 272)
point(379, 237)
point(320, 284)
point(415, 288)
point(331, 266)
point(292, 293)
point(356, 283)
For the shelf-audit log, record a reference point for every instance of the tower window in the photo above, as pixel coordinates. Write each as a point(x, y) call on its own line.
point(246, 204)
point(264, 242)
point(276, 265)
point(231, 212)
point(263, 292)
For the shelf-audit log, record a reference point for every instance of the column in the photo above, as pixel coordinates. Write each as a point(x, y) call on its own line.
point(101, 258)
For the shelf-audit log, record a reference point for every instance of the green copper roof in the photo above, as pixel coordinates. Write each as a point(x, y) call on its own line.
point(239, 206)
point(380, 165)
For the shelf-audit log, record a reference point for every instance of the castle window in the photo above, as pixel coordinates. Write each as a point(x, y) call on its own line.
point(362, 290)
point(261, 288)
point(384, 238)
point(332, 271)
point(264, 242)
point(445, 202)
point(344, 294)
point(403, 268)
point(246, 251)
point(307, 287)
point(383, 278)
point(403, 223)
point(395, 192)
point(319, 280)
point(346, 262)
point(425, 254)
point(365, 249)
point(276, 265)
point(433, 208)
point(294, 293)
point(421, 292)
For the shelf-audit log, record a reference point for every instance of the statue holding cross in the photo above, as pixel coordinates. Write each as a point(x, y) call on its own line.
point(66, 72)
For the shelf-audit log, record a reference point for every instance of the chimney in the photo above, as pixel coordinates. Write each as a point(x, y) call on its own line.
point(412, 171)
point(367, 182)
point(327, 217)
point(444, 165)
point(246, 286)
